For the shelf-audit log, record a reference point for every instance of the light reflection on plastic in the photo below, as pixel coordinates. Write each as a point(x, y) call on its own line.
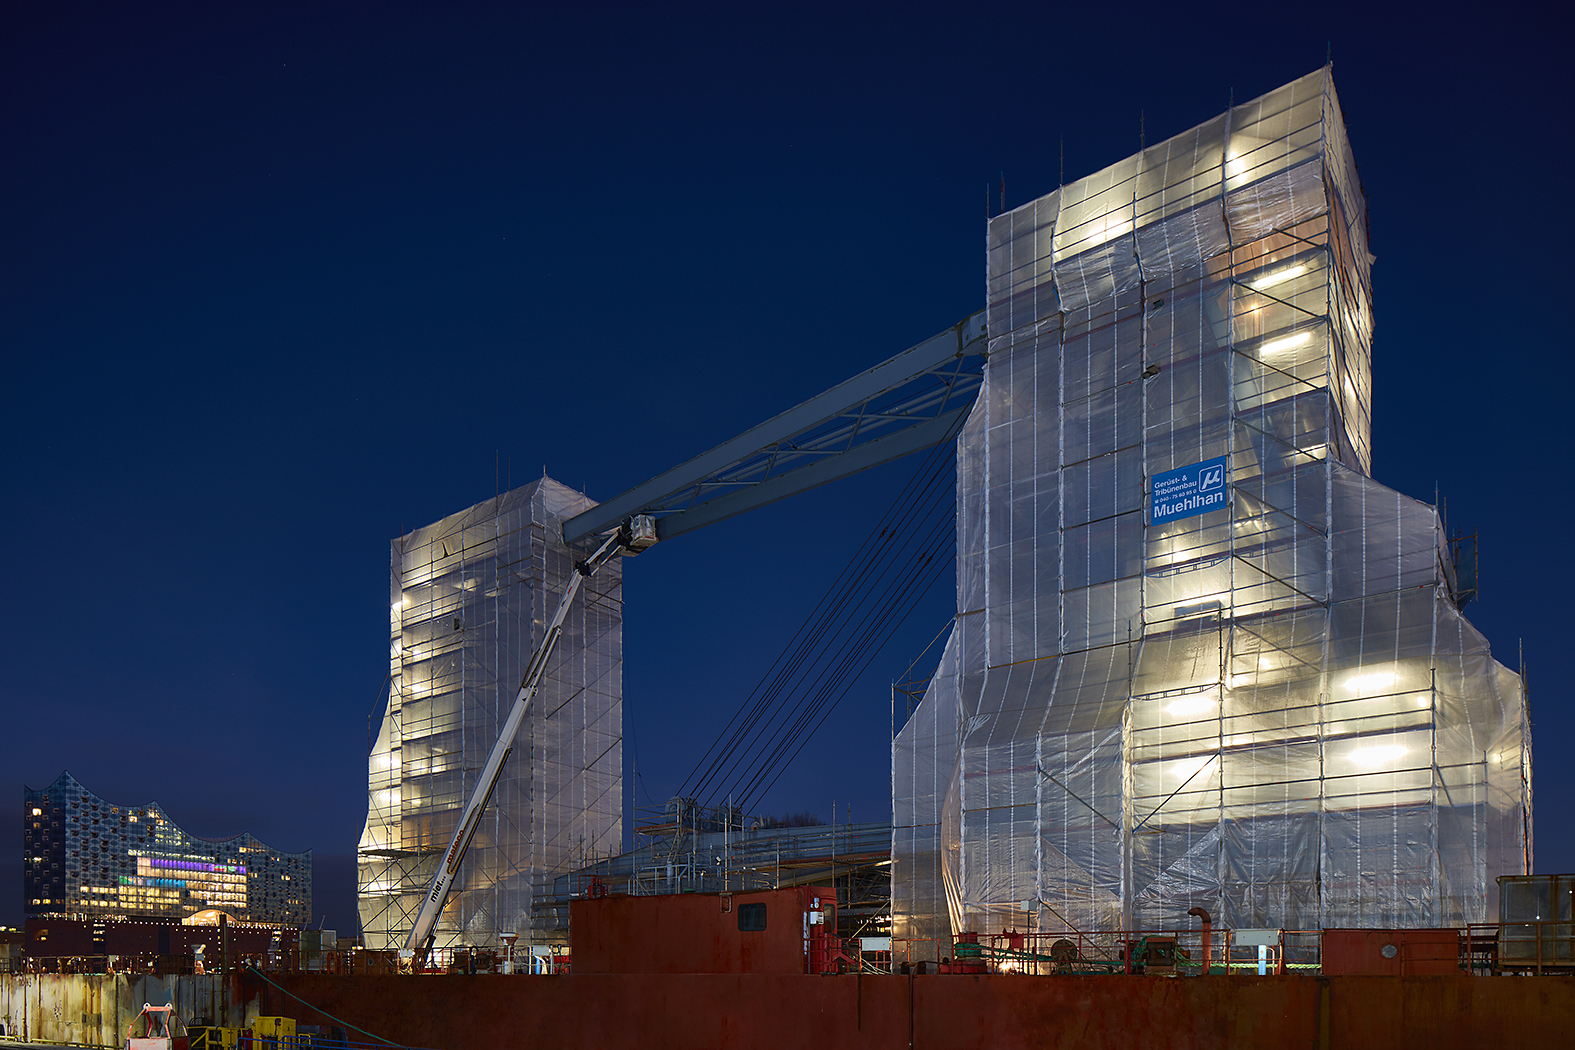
point(1191, 704)
point(1364, 682)
point(1278, 277)
point(1290, 342)
point(1383, 754)
point(1240, 146)
point(1189, 767)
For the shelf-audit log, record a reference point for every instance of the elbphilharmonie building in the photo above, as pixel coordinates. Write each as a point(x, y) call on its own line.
point(1201, 657)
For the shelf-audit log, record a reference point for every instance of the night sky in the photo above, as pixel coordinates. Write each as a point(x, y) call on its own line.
point(283, 281)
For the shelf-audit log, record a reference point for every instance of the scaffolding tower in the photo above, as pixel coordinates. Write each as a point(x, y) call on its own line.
point(469, 600)
point(1200, 656)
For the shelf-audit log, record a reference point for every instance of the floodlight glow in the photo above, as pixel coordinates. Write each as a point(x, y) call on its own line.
point(1278, 277)
point(1241, 146)
point(1381, 755)
point(1367, 682)
point(1290, 342)
point(1191, 704)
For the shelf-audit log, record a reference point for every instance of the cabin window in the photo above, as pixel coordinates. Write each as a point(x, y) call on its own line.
point(751, 917)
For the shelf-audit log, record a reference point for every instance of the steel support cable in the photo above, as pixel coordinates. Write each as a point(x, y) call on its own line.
point(843, 666)
point(788, 663)
point(325, 1013)
point(848, 682)
point(869, 629)
point(761, 697)
point(868, 608)
point(775, 708)
point(855, 606)
point(789, 666)
point(825, 704)
point(865, 562)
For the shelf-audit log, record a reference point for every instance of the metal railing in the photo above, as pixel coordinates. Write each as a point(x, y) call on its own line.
point(1545, 946)
point(1043, 953)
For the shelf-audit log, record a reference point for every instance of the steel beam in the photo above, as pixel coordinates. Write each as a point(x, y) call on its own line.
point(923, 435)
point(964, 339)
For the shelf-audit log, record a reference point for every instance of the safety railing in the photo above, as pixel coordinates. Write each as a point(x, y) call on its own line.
point(1069, 952)
point(1542, 946)
point(306, 1037)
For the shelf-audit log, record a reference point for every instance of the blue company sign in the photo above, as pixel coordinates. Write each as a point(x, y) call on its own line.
point(1182, 493)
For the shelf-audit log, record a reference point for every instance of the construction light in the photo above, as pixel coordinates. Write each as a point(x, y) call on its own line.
point(1278, 277)
point(1191, 704)
point(1290, 342)
point(1363, 683)
point(1373, 757)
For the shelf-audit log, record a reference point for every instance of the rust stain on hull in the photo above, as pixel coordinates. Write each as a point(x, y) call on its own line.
point(747, 1011)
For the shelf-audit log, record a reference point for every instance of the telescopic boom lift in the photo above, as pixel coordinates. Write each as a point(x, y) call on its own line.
point(912, 401)
point(632, 537)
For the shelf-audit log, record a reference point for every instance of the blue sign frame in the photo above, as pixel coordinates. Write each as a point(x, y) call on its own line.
point(1188, 491)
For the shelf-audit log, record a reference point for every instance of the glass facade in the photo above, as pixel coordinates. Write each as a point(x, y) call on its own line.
point(84, 858)
point(1272, 708)
point(470, 597)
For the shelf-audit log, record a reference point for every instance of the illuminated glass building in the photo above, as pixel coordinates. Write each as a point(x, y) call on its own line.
point(469, 599)
point(1201, 657)
point(83, 858)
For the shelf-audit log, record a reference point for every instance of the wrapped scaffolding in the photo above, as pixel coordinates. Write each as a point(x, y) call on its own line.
point(1200, 656)
point(469, 599)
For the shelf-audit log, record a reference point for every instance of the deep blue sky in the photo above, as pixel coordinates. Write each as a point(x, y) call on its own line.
point(280, 281)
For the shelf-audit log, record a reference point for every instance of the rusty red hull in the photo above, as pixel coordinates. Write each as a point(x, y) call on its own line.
point(747, 1011)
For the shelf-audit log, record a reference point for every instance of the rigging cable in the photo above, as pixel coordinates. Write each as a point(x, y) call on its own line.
point(869, 599)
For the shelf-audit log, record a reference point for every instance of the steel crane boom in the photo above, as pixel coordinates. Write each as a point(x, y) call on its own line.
point(632, 537)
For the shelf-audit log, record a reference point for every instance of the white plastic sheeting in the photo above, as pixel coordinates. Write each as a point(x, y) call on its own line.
point(1274, 711)
point(469, 598)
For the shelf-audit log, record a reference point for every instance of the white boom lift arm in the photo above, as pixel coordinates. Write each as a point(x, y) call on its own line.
point(634, 536)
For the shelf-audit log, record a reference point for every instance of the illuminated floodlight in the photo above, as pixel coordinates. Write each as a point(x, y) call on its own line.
point(1278, 277)
point(1192, 704)
point(1290, 342)
point(1364, 683)
point(1381, 755)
